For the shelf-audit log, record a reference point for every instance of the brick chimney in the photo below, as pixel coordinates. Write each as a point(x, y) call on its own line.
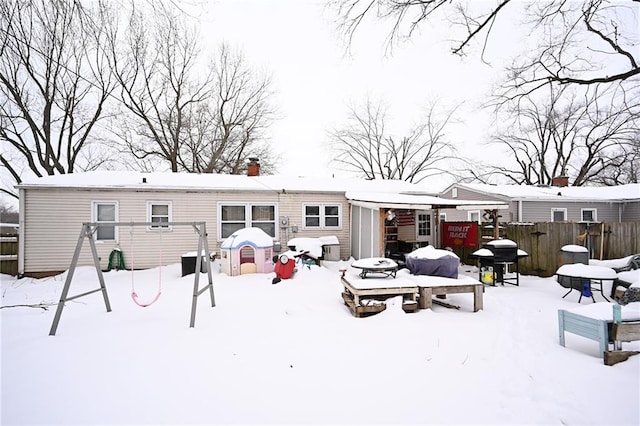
point(560, 181)
point(253, 168)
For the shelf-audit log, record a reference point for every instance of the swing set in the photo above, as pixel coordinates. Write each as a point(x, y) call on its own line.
point(88, 231)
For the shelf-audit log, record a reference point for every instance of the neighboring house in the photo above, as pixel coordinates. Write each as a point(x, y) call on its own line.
point(559, 203)
point(53, 208)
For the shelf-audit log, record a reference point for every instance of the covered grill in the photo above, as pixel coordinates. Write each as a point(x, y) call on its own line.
point(494, 258)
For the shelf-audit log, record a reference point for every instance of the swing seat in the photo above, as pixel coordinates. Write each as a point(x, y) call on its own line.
point(134, 296)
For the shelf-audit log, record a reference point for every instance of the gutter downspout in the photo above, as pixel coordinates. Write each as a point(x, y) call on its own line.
point(21, 231)
point(520, 220)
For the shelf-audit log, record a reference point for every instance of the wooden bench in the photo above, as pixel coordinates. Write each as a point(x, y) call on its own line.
point(594, 322)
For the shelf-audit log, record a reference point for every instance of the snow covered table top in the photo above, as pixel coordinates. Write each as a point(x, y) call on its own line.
point(578, 270)
point(376, 265)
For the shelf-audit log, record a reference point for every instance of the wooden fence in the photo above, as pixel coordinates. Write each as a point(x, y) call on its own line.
point(9, 255)
point(543, 242)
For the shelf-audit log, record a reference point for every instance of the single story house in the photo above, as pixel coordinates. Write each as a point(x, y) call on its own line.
point(53, 208)
point(556, 203)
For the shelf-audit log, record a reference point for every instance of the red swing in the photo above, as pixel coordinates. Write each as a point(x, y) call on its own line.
point(134, 295)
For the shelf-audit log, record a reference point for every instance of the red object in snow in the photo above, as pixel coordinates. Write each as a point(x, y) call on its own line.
point(284, 267)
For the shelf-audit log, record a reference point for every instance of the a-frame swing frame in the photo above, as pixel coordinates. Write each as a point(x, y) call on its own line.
point(87, 232)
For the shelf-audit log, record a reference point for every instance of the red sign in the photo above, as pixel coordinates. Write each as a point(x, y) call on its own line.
point(460, 234)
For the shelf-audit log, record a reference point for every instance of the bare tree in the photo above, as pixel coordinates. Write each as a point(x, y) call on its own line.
point(54, 87)
point(585, 137)
point(231, 124)
point(156, 68)
point(197, 117)
point(576, 42)
point(363, 145)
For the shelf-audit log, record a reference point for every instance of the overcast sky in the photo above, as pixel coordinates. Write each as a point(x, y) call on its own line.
point(297, 43)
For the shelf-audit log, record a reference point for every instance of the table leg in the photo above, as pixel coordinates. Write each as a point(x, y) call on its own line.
point(425, 297)
point(477, 298)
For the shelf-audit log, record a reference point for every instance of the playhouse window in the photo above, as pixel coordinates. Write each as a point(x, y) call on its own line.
point(159, 213)
point(238, 216)
point(105, 212)
point(322, 215)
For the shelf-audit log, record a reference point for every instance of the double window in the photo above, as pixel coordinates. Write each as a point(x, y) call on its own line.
point(238, 216)
point(104, 213)
point(322, 216)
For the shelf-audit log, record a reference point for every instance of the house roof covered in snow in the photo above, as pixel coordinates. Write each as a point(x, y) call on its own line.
point(620, 193)
point(218, 182)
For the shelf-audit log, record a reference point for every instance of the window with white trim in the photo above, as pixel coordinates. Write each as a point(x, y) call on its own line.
point(322, 216)
point(423, 225)
point(559, 215)
point(237, 216)
point(454, 193)
point(474, 216)
point(443, 217)
point(105, 212)
point(159, 213)
point(589, 215)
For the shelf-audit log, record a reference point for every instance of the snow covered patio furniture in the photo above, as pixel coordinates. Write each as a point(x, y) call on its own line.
point(598, 322)
point(378, 266)
point(429, 286)
point(433, 262)
point(359, 292)
point(365, 296)
point(585, 279)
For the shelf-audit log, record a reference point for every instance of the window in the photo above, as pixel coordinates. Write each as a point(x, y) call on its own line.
point(264, 217)
point(454, 193)
point(473, 216)
point(443, 217)
point(558, 215)
point(423, 225)
point(238, 216)
point(589, 215)
point(105, 212)
point(322, 216)
point(159, 212)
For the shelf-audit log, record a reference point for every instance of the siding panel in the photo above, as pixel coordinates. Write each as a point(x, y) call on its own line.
point(53, 219)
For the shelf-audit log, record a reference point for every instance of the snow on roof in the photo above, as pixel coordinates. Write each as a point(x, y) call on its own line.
point(576, 193)
point(254, 237)
point(203, 182)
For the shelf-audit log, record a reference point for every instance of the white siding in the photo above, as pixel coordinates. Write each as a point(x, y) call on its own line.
point(53, 219)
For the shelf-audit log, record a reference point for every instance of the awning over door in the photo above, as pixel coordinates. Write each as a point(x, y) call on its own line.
point(377, 200)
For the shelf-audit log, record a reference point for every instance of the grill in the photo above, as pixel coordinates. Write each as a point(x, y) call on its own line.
point(497, 254)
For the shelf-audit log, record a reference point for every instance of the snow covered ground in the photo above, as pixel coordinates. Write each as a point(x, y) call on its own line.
point(293, 353)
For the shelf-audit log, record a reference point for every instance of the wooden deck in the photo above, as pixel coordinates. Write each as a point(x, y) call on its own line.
point(417, 291)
